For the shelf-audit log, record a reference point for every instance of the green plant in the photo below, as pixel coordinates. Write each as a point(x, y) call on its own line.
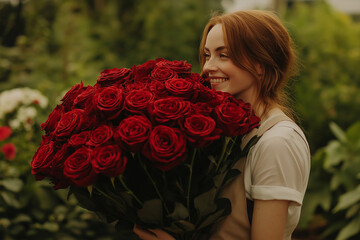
point(333, 196)
point(328, 85)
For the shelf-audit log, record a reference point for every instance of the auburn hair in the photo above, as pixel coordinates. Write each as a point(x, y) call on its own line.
point(258, 37)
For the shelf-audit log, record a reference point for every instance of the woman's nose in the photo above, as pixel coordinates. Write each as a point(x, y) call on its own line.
point(209, 66)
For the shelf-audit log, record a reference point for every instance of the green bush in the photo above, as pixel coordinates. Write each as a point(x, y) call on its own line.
point(332, 203)
point(328, 86)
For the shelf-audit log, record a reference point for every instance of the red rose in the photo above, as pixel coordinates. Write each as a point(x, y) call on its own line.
point(177, 66)
point(137, 85)
point(110, 101)
point(142, 71)
point(79, 139)
point(57, 167)
point(5, 132)
point(138, 100)
point(158, 88)
point(53, 119)
point(69, 123)
point(162, 74)
point(201, 108)
point(9, 150)
point(234, 119)
point(169, 109)
point(133, 132)
point(43, 160)
point(68, 99)
point(78, 168)
point(84, 99)
point(166, 147)
point(109, 161)
point(200, 130)
point(180, 87)
point(116, 76)
point(100, 135)
point(211, 96)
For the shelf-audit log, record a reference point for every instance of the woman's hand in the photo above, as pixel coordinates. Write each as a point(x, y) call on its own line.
point(151, 234)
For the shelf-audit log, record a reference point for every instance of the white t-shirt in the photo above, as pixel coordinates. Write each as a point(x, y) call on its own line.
point(278, 168)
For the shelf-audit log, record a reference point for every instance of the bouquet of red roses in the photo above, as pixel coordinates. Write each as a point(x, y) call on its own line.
point(152, 145)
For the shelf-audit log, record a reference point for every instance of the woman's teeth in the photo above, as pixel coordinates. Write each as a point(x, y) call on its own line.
point(218, 80)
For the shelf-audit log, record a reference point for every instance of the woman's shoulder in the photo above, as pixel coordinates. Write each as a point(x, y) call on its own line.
point(284, 131)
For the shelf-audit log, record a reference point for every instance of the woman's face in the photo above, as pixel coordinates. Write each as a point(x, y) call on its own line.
point(224, 75)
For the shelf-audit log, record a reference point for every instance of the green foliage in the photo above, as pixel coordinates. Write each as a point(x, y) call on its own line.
point(328, 86)
point(75, 40)
point(337, 203)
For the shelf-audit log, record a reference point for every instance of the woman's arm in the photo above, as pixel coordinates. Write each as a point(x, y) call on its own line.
point(269, 219)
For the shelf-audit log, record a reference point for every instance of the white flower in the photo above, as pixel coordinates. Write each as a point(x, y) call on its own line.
point(14, 124)
point(12, 99)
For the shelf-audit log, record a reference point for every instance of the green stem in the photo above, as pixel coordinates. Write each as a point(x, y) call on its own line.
point(120, 206)
point(227, 140)
point(128, 190)
point(190, 179)
point(154, 184)
point(230, 149)
point(106, 195)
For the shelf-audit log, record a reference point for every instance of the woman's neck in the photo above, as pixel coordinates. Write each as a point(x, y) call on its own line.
point(262, 110)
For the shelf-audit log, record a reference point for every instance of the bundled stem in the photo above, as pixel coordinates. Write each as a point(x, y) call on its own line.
point(190, 179)
point(128, 190)
point(143, 165)
point(223, 151)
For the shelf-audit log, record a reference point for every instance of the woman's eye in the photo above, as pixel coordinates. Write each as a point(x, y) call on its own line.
point(224, 56)
point(206, 55)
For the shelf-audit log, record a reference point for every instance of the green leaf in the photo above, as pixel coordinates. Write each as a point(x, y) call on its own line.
point(180, 212)
point(334, 154)
point(83, 197)
point(353, 211)
point(51, 226)
point(223, 209)
point(151, 212)
point(338, 132)
point(185, 225)
point(350, 229)
point(353, 133)
point(204, 203)
point(10, 199)
point(22, 218)
point(348, 199)
point(12, 184)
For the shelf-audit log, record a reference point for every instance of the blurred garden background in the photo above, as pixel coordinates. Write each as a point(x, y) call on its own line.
point(47, 46)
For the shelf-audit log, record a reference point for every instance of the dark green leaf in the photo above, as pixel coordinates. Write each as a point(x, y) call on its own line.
point(151, 212)
point(205, 203)
point(350, 229)
point(223, 209)
point(180, 212)
point(185, 225)
point(83, 197)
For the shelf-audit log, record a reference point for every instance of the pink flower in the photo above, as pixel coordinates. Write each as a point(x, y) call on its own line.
point(9, 150)
point(5, 132)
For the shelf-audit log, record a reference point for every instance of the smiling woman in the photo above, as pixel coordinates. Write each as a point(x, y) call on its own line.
point(249, 55)
point(224, 75)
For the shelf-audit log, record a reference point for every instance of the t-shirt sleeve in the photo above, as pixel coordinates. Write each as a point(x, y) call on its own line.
point(279, 166)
